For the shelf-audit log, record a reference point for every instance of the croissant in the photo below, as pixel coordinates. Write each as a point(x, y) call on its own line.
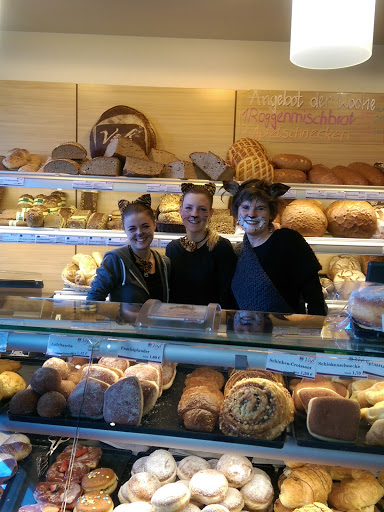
point(356, 493)
point(375, 435)
point(199, 408)
point(305, 485)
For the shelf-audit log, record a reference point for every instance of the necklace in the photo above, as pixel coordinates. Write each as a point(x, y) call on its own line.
point(144, 265)
point(190, 245)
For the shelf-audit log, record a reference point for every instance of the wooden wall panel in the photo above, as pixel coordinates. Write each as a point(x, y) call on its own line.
point(36, 115)
point(185, 120)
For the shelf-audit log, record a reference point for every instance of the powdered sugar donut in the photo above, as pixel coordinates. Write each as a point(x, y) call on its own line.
point(139, 465)
point(170, 498)
point(190, 465)
point(142, 486)
point(161, 464)
point(233, 500)
point(208, 486)
point(237, 469)
point(258, 493)
point(215, 507)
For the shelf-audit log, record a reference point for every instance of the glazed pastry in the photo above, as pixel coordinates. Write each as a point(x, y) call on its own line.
point(58, 471)
point(89, 455)
point(256, 408)
point(52, 493)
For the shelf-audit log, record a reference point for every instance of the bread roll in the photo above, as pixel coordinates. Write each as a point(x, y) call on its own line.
point(345, 282)
point(289, 176)
point(351, 219)
point(370, 173)
point(342, 262)
point(305, 485)
point(356, 493)
point(348, 176)
point(375, 435)
point(87, 265)
point(374, 413)
point(320, 174)
point(291, 161)
point(305, 217)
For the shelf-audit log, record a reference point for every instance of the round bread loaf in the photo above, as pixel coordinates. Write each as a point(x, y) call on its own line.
point(289, 176)
point(320, 174)
point(255, 166)
point(170, 497)
point(208, 486)
point(291, 161)
point(190, 465)
point(351, 219)
point(51, 405)
point(342, 262)
point(237, 469)
point(305, 217)
point(366, 306)
point(45, 379)
point(242, 148)
point(94, 502)
point(59, 364)
point(24, 402)
point(35, 217)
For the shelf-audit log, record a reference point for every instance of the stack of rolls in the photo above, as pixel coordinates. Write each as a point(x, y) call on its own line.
point(200, 403)
point(256, 405)
point(250, 160)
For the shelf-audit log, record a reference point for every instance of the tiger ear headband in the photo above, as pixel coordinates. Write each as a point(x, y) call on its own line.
point(145, 200)
point(208, 187)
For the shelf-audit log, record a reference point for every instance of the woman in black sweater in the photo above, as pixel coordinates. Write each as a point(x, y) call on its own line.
point(202, 262)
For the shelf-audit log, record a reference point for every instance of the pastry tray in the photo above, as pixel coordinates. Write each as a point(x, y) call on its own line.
point(161, 420)
point(19, 490)
point(304, 438)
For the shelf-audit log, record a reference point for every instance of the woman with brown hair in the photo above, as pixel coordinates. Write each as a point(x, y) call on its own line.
point(276, 270)
point(202, 261)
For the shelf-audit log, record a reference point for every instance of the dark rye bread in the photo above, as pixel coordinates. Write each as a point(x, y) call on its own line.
point(70, 151)
point(161, 156)
point(121, 147)
point(62, 166)
point(180, 170)
point(210, 166)
point(88, 200)
point(138, 167)
point(102, 166)
point(97, 221)
point(125, 121)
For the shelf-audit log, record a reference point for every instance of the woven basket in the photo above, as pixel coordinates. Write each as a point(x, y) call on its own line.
point(169, 228)
point(74, 286)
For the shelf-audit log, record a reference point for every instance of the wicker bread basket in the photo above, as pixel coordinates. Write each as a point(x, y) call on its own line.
point(74, 286)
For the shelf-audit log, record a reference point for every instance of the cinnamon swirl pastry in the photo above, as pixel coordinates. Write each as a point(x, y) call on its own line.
point(238, 375)
point(256, 408)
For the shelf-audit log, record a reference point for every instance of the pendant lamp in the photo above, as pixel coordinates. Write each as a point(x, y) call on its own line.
point(331, 34)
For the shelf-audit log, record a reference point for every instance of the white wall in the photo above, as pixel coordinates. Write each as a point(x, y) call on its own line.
point(167, 62)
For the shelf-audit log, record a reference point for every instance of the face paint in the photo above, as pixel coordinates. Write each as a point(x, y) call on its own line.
point(251, 223)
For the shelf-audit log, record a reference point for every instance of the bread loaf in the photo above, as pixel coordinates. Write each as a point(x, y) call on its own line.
point(179, 169)
point(320, 174)
point(62, 166)
point(97, 221)
point(291, 161)
point(289, 176)
point(101, 166)
point(170, 203)
point(138, 167)
point(254, 166)
point(373, 175)
point(351, 219)
point(161, 156)
point(342, 262)
point(210, 166)
point(121, 147)
point(15, 160)
point(348, 176)
point(32, 165)
point(305, 217)
point(69, 151)
point(243, 148)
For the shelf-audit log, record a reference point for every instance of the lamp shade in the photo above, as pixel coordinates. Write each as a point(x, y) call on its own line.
point(330, 34)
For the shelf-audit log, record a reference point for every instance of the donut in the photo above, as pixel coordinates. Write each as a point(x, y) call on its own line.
point(115, 362)
point(141, 487)
point(58, 364)
point(51, 405)
point(94, 501)
point(258, 493)
point(161, 464)
point(233, 500)
point(137, 506)
point(139, 465)
point(190, 508)
point(101, 480)
point(190, 465)
point(170, 498)
point(45, 379)
point(52, 493)
point(88, 455)
point(24, 402)
point(215, 507)
point(8, 467)
point(67, 386)
point(237, 469)
point(208, 486)
point(213, 463)
point(59, 471)
point(122, 494)
point(17, 445)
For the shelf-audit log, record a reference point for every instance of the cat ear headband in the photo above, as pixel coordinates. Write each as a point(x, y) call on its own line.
point(208, 187)
point(274, 190)
point(145, 200)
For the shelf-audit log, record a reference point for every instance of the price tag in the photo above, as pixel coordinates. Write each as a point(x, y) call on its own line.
point(142, 351)
point(27, 238)
point(290, 194)
point(45, 239)
point(335, 194)
point(316, 194)
point(10, 237)
point(164, 243)
point(372, 366)
point(349, 366)
point(116, 241)
point(92, 185)
point(11, 182)
point(75, 240)
point(3, 341)
point(156, 187)
point(68, 346)
point(174, 189)
point(155, 243)
point(96, 240)
point(303, 366)
point(19, 353)
point(356, 195)
point(375, 196)
point(60, 240)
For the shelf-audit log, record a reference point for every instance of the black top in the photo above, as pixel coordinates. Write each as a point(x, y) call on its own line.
point(203, 276)
point(154, 284)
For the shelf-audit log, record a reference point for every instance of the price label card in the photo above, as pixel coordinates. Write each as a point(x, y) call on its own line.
point(27, 238)
point(335, 194)
point(301, 365)
point(373, 366)
point(11, 182)
point(156, 187)
point(96, 240)
point(375, 196)
point(92, 185)
point(45, 239)
point(75, 240)
point(68, 346)
point(290, 194)
point(316, 194)
point(60, 240)
point(349, 366)
point(3, 341)
point(356, 195)
point(103, 185)
point(116, 241)
point(142, 351)
point(174, 189)
point(164, 243)
point(10, 237)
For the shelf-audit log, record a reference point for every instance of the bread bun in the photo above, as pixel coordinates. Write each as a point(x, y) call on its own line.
point(351, 219)
point(305, 217)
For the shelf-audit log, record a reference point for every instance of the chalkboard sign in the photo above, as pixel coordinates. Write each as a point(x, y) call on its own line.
point(310, 117)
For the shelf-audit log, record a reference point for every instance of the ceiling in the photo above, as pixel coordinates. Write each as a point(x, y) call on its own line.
point(246, 20)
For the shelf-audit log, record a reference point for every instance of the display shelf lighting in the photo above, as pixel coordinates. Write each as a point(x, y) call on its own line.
point(331, 34)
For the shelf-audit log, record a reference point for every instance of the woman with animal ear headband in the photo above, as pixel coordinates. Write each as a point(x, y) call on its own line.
point(133, 273)
point(276, 270)
point(202, 262)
